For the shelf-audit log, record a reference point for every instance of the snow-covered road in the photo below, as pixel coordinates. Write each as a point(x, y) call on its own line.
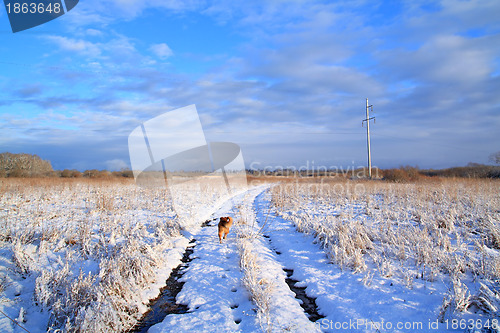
point(349, 302)
point(265, 277)
point(214, 290)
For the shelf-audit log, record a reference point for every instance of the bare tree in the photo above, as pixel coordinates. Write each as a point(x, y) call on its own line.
point(23, 165)
point(495, 157)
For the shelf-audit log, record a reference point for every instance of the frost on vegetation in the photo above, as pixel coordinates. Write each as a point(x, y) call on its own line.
point(260, 289)
point(245, 225)
point(491, 231)
point(459, 299)
point(21, 258)
point(487, 299)
point(107, 301)
point(67, 298)
point(91, 247)
point(120, 231)
point(443, 231)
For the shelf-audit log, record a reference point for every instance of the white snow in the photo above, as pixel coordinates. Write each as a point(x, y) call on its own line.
point(342, 296)
point(76, 254)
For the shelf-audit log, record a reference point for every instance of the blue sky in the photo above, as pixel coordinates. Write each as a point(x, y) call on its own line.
point(286, 80)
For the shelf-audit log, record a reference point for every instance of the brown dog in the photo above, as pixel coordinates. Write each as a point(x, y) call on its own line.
point(224, 225)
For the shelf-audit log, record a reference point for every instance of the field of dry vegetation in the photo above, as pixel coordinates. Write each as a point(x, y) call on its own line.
point(89, 248)
point(433, 230)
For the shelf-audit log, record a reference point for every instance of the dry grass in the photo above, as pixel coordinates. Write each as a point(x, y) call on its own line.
point(260, 289)
point(120, 229)
point(448, 228)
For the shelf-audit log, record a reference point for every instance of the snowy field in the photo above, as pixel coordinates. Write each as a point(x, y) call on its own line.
point(88, 255)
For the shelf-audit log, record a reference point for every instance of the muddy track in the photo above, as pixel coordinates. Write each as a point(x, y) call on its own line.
point(165, 303)
point(306, 302)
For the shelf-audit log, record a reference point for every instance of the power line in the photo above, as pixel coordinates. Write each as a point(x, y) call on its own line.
point(285, 133)
point(14, 321)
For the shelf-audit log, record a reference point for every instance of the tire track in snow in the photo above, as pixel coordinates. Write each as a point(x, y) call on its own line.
point(348, 304)
point(279, 309)
point(212, 289)
point(308, 303)
point(213, 286)
point(166, 303)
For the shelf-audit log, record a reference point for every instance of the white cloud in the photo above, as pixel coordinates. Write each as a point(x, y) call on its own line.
point(80, 46)
point(93, 32)
point(119, 9)
point(162, 50)
point(116, 165)
point(115, 52)
point(304, 70)
point(442, 59)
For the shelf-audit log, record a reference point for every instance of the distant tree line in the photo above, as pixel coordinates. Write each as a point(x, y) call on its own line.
point(26, 165)
point(94, 173)
point(472, 170)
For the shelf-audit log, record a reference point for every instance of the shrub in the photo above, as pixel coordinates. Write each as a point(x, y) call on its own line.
point(126, 173)
point(23, 165)
point(396, 175)
point(402, 175)
point(71, 173)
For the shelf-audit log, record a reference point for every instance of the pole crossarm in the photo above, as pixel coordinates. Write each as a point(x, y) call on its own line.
point(363, 122)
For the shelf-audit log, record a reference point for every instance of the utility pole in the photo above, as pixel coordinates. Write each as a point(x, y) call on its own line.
point(368, 107)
